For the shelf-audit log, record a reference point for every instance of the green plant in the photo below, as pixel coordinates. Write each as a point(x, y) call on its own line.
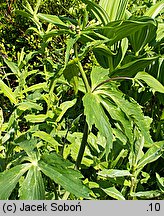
point(70, 115)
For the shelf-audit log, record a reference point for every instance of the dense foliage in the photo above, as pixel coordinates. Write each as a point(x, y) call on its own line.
point(81, 100)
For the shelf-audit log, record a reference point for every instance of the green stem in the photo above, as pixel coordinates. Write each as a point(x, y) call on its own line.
point(85, 80)
point(82, 146)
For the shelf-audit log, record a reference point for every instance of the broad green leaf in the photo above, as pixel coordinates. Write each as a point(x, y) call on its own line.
point(151, 81)
point(117, 30)
point(95, 115)
point(113, 192)
point(160, 182)
point(147, 194)
point(35, 87)
point(98, 75)
point(154, 10)
point(99, 13)
point(29, 105)
point(35, 118)
point(52, 19)
point(132, 68)
point(32, 187)
point(69, 179)
point(152, 154)
point(9, 179)
point(132, 110)
point(114, 8)
point(46, 137)
point(13, 67)
point(113, 173)
point(8, 92)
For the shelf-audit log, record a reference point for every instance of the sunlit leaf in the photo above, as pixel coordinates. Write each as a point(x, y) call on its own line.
point(8, 92)
point(113, 192)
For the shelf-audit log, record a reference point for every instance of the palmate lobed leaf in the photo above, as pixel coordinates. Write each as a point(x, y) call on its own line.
point(32, 187)
point(9, 179)
point(69, 179)
point(95, 115)
point(131, 109)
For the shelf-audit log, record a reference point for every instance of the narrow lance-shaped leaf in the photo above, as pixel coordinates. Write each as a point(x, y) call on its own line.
point(46, 137)
point(152, 154)
point(151, 81)
point(52, 19)
point(95, 115)
point(9, 179)
point(32, 187)
point(113, 173)
point(8, 92)
point(113, 192)
point(154, 10)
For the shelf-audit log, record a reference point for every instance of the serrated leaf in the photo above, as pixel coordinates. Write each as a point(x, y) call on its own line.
point(152, 154)
point(113, 192)
point(46, 137)
point(32, 187)
point(113, 173)
point(132, 110)
point(8, 92)
point(67, 178)
point(151, 81)
point(95, 115)
point(9, 179)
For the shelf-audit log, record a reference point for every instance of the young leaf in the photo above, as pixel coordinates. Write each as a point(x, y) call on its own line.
point(113, 192)
point(151, 81)
point(9, 179)
point(95, 115)
point(46, 137)
point(32, 187)
point(8, 92)
point(69, 179)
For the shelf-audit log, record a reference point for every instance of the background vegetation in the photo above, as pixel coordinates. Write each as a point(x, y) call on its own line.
point(81, 99)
